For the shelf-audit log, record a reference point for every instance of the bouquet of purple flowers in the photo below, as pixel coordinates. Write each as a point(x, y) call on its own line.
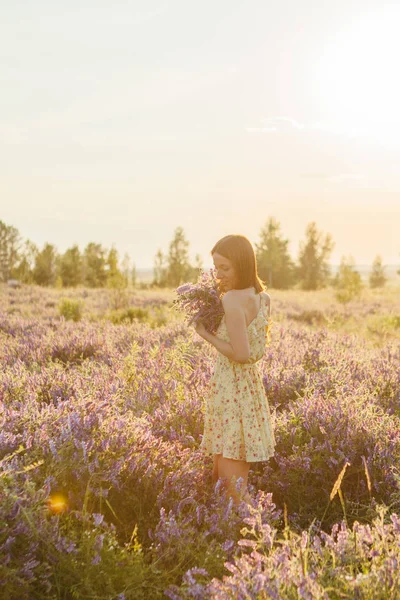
point(201, 301)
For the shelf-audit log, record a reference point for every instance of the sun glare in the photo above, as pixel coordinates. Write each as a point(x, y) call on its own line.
point(57, 503)
point(357, 80)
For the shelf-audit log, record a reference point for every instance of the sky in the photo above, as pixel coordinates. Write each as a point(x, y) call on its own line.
point(121, 121)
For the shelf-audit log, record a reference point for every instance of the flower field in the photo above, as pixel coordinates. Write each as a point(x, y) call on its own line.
point(105, 495)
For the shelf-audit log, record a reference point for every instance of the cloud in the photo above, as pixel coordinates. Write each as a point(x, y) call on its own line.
point(272, 124)
point(335, 177)
point(316, 175)
point(348, 178)
point(137, 19)
point(288, 124)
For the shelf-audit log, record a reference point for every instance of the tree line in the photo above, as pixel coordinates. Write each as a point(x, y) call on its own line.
point(275, 266)
point(97, 266)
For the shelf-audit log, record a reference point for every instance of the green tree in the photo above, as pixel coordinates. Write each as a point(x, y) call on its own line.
point(179, 269)
point(70, 267)
point(313, 268)
point(274, 264)
point(10, 243)
point(45, 269)
point(115, 278)
point(377, 277)
point(347, 281)
point(134, 275)
point(24, 269)
point(160, 269)
point(126, 268)
point(95, 274)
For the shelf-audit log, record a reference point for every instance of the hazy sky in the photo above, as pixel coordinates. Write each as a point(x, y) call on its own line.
point(122, 120)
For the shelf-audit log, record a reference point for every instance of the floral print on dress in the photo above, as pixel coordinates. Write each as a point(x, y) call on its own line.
point(237, 420)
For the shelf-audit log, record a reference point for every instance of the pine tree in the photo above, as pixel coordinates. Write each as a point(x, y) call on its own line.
point(274, 263)
point(313, 268)
point(160, 269)
point(179, 268)
point(377, 277)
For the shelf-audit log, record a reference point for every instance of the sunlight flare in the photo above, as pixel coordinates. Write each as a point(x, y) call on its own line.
point(356, 78)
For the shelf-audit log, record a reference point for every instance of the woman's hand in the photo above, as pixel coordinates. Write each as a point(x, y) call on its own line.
point(200, 329)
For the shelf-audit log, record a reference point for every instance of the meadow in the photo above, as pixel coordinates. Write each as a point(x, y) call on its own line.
point(105, 495)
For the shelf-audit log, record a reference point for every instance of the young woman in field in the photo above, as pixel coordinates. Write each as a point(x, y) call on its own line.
point(237, 429)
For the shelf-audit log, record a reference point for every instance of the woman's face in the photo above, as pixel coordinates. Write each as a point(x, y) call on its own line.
point(224, 272)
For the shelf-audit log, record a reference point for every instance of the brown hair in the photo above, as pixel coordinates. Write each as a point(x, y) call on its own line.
point(238, 249)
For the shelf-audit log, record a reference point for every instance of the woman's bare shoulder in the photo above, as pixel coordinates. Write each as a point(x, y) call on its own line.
point(233, 301)
point(230, 298)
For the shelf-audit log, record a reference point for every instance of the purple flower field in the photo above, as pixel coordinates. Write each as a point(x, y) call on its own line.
point(104, 493)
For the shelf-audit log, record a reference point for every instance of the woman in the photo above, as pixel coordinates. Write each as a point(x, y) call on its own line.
point(237, 429)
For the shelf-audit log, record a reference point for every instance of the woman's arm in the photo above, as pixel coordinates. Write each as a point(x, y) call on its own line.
point(224, 347)
point(238, 348)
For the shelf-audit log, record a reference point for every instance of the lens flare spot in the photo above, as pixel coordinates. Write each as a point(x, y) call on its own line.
point(57, 503)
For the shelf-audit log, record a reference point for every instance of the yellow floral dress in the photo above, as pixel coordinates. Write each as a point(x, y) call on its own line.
point(237, 420)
